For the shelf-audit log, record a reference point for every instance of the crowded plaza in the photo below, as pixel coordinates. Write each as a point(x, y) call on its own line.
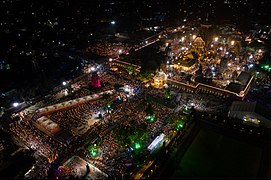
point(110, 123)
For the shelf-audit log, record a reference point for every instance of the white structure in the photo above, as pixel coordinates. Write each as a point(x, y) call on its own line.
point(156, 142)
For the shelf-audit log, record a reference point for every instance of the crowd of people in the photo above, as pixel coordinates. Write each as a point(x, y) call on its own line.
point(108, 49)
point(34, 139)
point(113, 158)
point(74, 117)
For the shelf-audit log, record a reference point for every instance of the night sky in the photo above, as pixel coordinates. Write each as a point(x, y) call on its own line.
point(39, 26)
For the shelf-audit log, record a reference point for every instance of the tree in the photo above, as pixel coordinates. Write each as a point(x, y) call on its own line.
point(168, 93)
point(149, 110)
point(146, 76)
point(131, 69)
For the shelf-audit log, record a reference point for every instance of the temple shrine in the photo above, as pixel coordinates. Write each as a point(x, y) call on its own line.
point(95, 81)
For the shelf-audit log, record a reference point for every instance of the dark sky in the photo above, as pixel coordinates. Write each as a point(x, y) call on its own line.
point(25, 24)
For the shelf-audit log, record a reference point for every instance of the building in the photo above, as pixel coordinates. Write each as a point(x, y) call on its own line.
point(95, 80)
point(205, 32)
point(252, 113)
point(186, 63)
point(198, 45)
point(116, 63)
point(159, 79)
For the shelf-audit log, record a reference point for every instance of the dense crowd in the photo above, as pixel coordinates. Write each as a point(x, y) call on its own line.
point(108, 49)
point(113, 157)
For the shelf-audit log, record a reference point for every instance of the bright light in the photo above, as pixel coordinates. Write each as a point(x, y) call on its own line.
point(113, 22)
point(183, 38)
point(92, 68)
point(151, 118)
point(232, 43)
point(179, 126)
point(251, 65)
point(64, 83)
point(120, 51)
point(93, 153)
point(229, 64)
point(194, 36)
point(137, 146)
point(212, 45)
point(15, 104)
point(155, 143)
point(213, 68)
point(221, 48)
point(216, 39)
point(110, 59)
point(146, 42)
point(260, 50)
point(238, 68)
point(126, 89)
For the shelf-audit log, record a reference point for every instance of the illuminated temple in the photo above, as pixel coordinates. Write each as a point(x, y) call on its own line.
point(186, 63)
point(159, 79)
point(198, 45)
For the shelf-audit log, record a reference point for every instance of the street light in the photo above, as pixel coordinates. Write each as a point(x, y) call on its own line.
point(64, 83)
point(113, 22)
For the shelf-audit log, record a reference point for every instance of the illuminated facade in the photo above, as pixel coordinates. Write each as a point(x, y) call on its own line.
point(159, 79)
point(186, 63)
point(95, 80)
point(198, 45)
point(204, 88)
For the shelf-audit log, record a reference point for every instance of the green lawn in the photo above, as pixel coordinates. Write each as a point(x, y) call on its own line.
point(214, 155)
